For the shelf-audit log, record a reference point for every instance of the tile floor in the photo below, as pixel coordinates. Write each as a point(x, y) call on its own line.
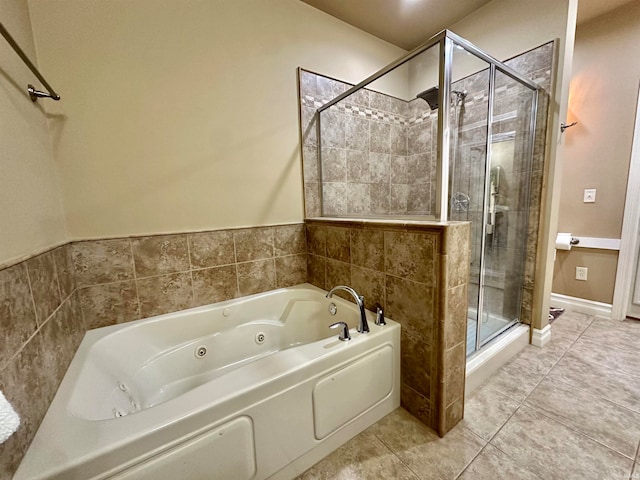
point(570, 410)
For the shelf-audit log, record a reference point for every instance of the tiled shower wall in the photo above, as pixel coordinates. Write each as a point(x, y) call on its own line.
point(48, 302)
point(361, 182)
point(418, 273)
point(377, 154)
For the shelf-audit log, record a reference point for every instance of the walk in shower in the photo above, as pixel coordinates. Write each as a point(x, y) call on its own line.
point(446, 133)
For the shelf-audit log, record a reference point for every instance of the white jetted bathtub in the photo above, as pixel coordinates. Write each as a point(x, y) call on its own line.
point(253, 388)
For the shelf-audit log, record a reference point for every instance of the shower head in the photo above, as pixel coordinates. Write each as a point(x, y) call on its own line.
point(431, 96)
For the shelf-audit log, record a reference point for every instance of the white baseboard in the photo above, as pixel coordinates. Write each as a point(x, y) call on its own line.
point(540, 338)
point(581, 305)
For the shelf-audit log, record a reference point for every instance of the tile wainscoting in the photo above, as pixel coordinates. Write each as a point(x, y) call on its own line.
point(48, 301)
point(131, 278)
point(418, 273)
point(42, 325)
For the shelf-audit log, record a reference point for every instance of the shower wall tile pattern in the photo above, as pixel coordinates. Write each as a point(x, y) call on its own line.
point(376, 157)
point(49, 301)
point(418, 273)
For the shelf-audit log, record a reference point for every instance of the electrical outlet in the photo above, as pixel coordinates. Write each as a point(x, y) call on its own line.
point(581, 273)
point(589, 195)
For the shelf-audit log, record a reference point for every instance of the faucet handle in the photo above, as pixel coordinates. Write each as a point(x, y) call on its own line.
point(379, 314)
point(344, 334)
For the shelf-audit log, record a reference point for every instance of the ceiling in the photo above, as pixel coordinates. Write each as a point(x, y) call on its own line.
point(408, 23)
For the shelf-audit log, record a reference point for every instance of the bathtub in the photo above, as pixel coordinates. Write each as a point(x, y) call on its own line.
point(252, 388)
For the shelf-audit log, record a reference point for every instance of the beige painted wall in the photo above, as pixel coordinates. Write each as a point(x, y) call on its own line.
point(182, 114)
point(186, 118)
point(31, 216)
point(604, 91)
point(602, 268)
point(505, 28)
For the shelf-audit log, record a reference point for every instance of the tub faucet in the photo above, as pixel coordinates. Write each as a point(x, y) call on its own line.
point(363, 327)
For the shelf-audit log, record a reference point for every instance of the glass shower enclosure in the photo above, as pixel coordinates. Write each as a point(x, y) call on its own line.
point(444, 133)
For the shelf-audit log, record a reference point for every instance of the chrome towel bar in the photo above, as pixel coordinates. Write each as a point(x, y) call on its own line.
point(31, 90)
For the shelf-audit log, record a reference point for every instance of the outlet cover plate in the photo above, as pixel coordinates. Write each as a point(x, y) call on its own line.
point(589, 195)
point(581, 273)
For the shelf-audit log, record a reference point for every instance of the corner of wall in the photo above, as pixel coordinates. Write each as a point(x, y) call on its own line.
point(551, 198)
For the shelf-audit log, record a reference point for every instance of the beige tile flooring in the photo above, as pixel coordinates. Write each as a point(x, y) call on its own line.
point(570, 410)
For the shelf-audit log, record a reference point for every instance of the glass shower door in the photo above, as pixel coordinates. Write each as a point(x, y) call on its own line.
point(507, 179)
point(469, 119)
point(490, 146)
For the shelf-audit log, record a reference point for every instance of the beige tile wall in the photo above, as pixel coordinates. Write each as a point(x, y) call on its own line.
point(49, 301)
point(42, 325)
point(418, 273)
point(126, 279)
point(377, 154)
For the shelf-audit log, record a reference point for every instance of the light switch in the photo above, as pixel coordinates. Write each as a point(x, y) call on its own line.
point(589, 195)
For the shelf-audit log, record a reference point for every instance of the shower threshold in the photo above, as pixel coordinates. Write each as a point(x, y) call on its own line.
point(492, 326)
point(494, 354)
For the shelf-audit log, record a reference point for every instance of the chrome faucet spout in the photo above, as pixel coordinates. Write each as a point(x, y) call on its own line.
point(363, 327)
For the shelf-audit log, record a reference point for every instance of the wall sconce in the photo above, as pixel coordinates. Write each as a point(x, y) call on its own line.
point(564, 126)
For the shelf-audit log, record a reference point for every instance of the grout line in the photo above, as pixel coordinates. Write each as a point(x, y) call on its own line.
point(521, 402)
point(55, 272)
point(17, 352)
point(515, 460)
point(504, 424)
point(565, 422)
point(575, 429)
point(187, 271)
point(193, 290)
point(135, 280)
point(35, 332)
point(396, 455)
point(33, 300)
point(634, 467)
point(474, 457)
point(235, 259)
point(76, 291)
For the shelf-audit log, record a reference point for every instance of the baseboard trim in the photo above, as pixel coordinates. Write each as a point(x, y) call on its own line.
point(540, 338)
point(581, 305)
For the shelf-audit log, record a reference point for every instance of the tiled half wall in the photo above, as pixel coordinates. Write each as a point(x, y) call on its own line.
point(48, 301)
point(419, 274)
